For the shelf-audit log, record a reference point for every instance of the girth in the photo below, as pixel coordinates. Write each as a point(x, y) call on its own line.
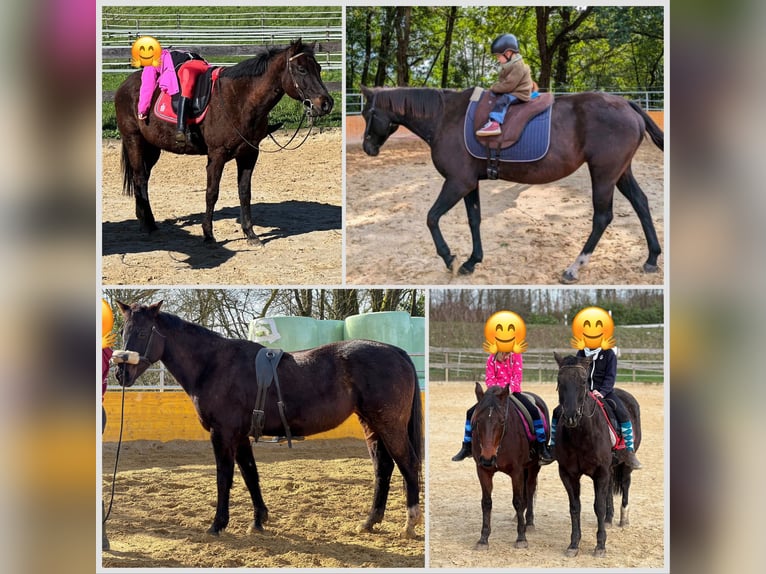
point(266, 362)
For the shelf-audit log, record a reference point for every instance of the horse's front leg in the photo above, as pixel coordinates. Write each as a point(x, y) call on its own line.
point(224, 465)
point(473, 209)
point(485, 479)
point(572, 486)
point(530, 475)
point(245, 167)
point(249, 470)
point(452, 191)
point(601, 487)
point(214, 171)
point(603, 194)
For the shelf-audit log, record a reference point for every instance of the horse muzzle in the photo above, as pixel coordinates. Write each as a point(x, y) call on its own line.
point(320, 106)
point(370, 148)
point(571, 421)
point(488, 462)
point(127, 369)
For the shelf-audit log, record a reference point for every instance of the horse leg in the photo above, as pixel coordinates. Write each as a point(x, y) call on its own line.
point(473, 209)
point(629, 187)
point(530, 477)
point(138, 158)
point(601, 484)
point(224, 466)
point(451, 192)
point(572, 486)
point(625, 487)
point(245, 166)
point(485, 479)
point(383, 466)
point(603, 194)
point(520, 506)
point(249, 470)
point(214, 171)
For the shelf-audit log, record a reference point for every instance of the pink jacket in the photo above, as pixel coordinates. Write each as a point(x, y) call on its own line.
point(507, 373)
point(168, 81)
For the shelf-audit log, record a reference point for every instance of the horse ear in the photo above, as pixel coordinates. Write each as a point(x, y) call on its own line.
point(155, 308)
point(124, 309)
point(479, 390)
point(559, 358)
point(366, 92)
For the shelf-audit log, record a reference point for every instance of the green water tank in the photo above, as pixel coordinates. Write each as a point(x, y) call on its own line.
point(418, 348)
point(287, 333)
point(329, 331)
point(392, 327)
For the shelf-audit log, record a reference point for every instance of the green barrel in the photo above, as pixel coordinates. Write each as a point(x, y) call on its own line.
point(392, 327)
point(329, 331)
point(286, 333)
point(418, 348)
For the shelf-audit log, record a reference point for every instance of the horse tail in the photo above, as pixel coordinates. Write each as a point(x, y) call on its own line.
point(657, 135)
point(415, 426)
point(128, 187)
point(618, 475)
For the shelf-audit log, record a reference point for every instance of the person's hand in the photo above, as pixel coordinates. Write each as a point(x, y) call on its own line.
point(598, 395)
point(490, 348)
point(141, 116)
point(108, 340)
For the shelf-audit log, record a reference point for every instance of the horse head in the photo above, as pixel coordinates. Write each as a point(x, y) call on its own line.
point(302, 80)
point(378, 122)
point(488, 422)
point(572, 387)
point(141, 339)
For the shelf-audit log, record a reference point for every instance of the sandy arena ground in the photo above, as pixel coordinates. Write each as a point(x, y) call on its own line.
point(529, 237)
point(455, 497)
point(296, 205)
point(317, 493)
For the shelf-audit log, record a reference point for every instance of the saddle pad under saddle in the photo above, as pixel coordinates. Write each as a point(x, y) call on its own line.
point(531, 146)
point(165, 106)
point(526, 416)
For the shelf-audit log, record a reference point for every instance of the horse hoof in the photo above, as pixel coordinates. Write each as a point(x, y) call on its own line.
point(213, 532)
point(208, 240)
point(567, 278)
point(649, 268)
point(408, 533)
point(599, 552)
point(530, 527)
point(572, 552)
point(255, 527)
point(364, 527)
point(465, 270)
point(254, 242)
point(522, 544)
point(481, 546)
point(450, 263)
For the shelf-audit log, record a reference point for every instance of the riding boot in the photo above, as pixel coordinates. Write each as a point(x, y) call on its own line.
point(183, 108)
point(464, 452)
point(541, 443)
point(629, 456)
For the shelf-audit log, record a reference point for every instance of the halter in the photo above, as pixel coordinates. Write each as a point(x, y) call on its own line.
point(371, 112)
point(505, 424)
point(579, 411)
point(143, 357)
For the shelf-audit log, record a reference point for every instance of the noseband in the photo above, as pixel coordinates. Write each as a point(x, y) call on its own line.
point(307, 103)
point(143, 357)
point(371, 112)
point(504, 422)
point(580, 405)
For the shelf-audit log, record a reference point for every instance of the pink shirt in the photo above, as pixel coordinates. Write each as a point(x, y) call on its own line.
point(168, 81)
point(507, 373)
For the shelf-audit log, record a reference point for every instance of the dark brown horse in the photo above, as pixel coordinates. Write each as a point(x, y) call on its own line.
point(583, 446)
point(599, 129)
point(236, 121)
point(500, 443)
point(320, 388)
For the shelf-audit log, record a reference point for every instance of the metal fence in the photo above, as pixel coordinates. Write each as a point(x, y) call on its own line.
point(649, 100)
point(452, 364)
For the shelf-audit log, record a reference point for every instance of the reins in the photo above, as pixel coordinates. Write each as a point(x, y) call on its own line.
point(581, 407)
point(306, 102)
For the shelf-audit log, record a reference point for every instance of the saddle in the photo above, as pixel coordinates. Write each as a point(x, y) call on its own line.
point(526, 416)
point(266, 362)
point(516, 118)
point(608, 410)
point(166, 106)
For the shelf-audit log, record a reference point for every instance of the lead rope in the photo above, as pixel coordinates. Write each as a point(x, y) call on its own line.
point(116, 458)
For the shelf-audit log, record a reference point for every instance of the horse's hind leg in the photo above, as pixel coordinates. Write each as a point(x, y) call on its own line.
point(249, 470)
point(530, 477)
point(383, 465)
point(450, 194)
point(245, 166)
point(629, 187)
point(138, 159)
point(603, 194)
point(625, 488)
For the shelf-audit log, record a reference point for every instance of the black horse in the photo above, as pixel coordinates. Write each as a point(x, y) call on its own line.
point(583, 446)
point(236, 121)
point(320, 388)
point(599, 129)
point(499, 442)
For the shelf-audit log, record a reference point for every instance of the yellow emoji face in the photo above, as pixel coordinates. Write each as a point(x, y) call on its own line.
point(145, 52)
point(592, 328)
point(506, 331)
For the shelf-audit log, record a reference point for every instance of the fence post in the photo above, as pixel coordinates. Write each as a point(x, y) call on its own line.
point(446, 367)
point(162, 379)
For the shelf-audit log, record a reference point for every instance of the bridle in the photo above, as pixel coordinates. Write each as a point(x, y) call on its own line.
point(307, 103)
point(371, 118)
point(581, 406)
point(504, 423)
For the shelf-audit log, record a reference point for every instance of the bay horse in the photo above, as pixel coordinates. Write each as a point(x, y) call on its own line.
point(236, 121)
point(500, 444)
point(320, 388)
point(583, 446)
point(599, 129)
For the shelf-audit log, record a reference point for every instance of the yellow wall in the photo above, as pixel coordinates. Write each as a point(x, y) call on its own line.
point(170, 416)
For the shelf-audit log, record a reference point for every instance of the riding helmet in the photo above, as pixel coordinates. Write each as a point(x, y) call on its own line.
point(505, 42)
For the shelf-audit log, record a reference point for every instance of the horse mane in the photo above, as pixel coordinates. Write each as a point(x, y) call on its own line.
point(175, 322)
point(570, 360)
point(415, 103)
point(258, 64)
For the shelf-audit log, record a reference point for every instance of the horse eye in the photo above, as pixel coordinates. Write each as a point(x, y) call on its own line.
point(301, 70)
